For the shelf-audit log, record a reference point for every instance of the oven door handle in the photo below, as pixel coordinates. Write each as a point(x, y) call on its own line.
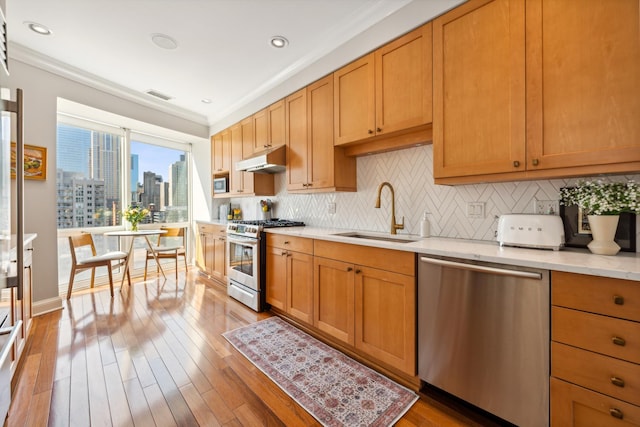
point(242, 240)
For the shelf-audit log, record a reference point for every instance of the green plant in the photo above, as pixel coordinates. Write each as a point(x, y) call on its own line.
point(602, 198)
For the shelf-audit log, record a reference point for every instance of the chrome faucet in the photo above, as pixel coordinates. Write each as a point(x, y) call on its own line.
point(394, 226)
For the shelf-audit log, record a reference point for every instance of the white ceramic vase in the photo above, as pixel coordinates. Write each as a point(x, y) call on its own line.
point(603, 230)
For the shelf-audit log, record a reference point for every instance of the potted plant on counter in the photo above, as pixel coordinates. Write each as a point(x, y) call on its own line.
point(602, 202)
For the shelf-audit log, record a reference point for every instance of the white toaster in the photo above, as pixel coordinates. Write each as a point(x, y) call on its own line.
point(531, 231)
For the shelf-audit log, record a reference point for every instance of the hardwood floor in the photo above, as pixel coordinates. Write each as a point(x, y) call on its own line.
point(154, 355)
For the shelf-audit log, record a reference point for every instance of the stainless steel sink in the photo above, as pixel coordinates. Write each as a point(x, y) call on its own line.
point(359, 235)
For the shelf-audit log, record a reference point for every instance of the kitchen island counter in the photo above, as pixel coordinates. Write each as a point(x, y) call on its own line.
point(624, 265)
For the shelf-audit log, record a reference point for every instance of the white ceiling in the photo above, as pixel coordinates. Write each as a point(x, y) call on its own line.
point(223, 48)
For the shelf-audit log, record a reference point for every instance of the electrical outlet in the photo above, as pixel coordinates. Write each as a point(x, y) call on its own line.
point(331, 208)
point(546, 207)
point(475, 210)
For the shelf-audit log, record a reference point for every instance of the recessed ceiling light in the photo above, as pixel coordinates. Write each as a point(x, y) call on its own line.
point(164, 41)
point(205, 101)
point(38, 28)
point(278, 42)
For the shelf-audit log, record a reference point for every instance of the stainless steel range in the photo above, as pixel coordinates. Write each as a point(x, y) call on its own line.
point(246, 259)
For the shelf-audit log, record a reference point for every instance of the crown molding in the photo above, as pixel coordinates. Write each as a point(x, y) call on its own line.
point(30, 57)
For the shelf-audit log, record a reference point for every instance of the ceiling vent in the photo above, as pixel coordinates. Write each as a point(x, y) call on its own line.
point(158, 94)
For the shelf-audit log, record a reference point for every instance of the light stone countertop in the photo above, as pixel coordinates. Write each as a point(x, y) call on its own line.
point(624, 265)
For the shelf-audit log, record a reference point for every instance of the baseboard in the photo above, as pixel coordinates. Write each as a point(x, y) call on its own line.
point(46, 306)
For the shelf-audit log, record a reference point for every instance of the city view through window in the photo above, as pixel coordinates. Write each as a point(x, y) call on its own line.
point(92, 192)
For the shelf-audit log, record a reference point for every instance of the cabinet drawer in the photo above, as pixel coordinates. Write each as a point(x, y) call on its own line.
point(596, 333)
point(296, 244)
point(596, 372)
point(385, 259)
point(572, 405)
point(602, 295)
point(211, 228)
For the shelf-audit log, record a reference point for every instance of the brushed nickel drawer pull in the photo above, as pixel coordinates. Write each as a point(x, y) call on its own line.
point(286, 242)
point(617, 381)
point(349, 268)
point(535, 162)
point(616, 413)
point(618, 341)
point(618, 300)
point(516, 164)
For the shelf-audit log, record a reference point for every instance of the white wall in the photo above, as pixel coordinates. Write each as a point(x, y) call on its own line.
point(41, 91)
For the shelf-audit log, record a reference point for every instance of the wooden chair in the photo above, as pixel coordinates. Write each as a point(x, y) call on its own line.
point(172, 245)
point(85, 240)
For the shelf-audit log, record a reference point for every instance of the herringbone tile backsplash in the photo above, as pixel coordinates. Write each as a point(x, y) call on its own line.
point(410, 171)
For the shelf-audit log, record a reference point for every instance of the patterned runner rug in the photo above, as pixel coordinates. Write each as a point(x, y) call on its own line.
point(332, 387)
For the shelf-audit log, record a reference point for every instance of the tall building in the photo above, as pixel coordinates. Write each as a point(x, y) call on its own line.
point(178, 179)
point(134, 179)
point(81, 202)
point(151, 190)
point(73, 147)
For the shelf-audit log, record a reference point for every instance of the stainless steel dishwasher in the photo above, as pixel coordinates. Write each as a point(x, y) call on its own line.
point(483, 336)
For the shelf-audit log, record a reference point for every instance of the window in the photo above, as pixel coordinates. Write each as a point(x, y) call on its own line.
point(103, 169)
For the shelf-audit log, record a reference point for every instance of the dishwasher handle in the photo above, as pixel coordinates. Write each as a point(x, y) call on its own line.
point(482, 268)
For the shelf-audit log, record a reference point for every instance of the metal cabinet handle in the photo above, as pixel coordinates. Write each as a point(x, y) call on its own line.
point(618, 341)
point(378, 129)
point(616, 413)
point(535, 162)
point(283, 253)
point(358, 271)
point(516, 164)
point(618, 300)
point(370, 132)
point(349, 268)
point(617, 381)
point(286, 242)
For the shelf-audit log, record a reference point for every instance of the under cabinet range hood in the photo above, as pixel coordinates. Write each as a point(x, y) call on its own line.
point(271, 160)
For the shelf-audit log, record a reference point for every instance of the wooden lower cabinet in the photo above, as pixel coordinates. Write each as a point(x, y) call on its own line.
point(595, 356)
point(211, 251)
point(366, 297)
point(385, 316)
point(289, 281)
point(575, 406)
point(334, 298)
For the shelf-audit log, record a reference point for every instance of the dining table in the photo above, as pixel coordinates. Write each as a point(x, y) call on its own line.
point(133, 235)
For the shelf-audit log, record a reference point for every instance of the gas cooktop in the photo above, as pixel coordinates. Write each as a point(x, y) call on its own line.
point(271, 223)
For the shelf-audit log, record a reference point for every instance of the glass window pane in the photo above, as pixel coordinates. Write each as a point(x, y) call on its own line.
point(88, 171)
point(159, 182)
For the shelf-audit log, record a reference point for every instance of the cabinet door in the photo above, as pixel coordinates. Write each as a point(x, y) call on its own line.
point(236, 178)
point(220, 259)
point(354, 100)
point(320, 133)
point(217, 153)
point(576, 406)
point(277, 277)
point(246, 127)
point(300, 286)
point(385, 316)
point(478, 89)
point(403, 73)
point(209, 252)
point(260, 130)
point(276, 124)
point(333, 298)
point(583, 83)
point(297, 140)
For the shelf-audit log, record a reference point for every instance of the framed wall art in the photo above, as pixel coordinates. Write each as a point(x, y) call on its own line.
point(35, 162)
point(577, 233)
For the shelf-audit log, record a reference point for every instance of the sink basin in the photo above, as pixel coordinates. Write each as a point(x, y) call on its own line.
point(359, 235)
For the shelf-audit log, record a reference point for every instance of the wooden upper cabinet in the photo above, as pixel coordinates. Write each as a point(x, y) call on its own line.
point(276, 123)
point(386, 91)
point(583, 84)
point(354, 101)
point(247, 137)
point(297, 141)
point(403, 70)
point(313, 163)
point(236, 183)
point(221, 152)
point(268, 127)
point(479, 89)
point(536, 89)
